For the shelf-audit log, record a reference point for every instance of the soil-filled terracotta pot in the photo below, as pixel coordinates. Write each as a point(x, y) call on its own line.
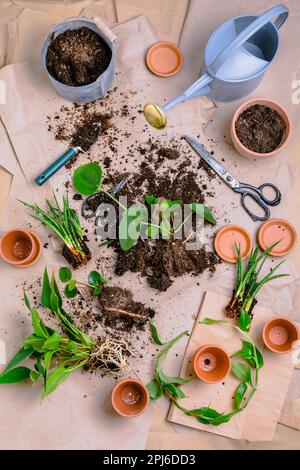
point(279, 334)
point(129, 398)
point(211, 363)
point(244, 151)
point(20, 248)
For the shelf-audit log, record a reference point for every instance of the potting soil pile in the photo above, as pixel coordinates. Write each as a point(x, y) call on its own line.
point(152, 162)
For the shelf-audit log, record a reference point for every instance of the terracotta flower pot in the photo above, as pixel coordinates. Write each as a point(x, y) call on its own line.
point(20, 248)
point(274, 230)
point(211, 363)
point(129, 397)
point(244, 151)
point(279, 334)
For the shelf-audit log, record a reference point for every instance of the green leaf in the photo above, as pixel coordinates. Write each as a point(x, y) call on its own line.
point(154, 334)
point(129, 229)
point(46, 290)
point(20, 356)
point(203, 211)
point(242, 372)
point(96, 278)
point(70, 294)
point(65, 274)
point(27, 302)
point(239, 394)
point(34, 375)
point(53, 342)
point(55, 379)
point(155, 390)
point(19, 374)
point(166, 379)
point(152, 231)
point(221, 419)
point(72, 284)
point(175, 390)
point(87, 178)
point(151, 199)
point(211, 321)
point(247, 353)
point(205, 412)
point(47, 360)
point(97, 289)
point(244, 321)
point(38, 327)
point(34, 342)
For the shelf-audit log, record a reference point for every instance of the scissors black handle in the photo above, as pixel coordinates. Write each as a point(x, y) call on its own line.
point(257, 195)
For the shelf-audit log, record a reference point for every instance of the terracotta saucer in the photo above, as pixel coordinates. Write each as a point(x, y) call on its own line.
point(274, 230)
point(228, 238)
point(164, 59)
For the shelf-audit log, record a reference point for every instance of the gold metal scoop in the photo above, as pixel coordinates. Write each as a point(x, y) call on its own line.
point(155, 115)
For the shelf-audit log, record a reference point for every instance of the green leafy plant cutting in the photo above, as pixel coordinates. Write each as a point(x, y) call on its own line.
point(87, 180)
point(95, 282)
point(65, 223)
point(59, 353)
point(248, 284)
point(246, 372)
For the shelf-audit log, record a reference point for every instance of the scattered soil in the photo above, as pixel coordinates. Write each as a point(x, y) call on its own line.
point(171, 154)
point(77, 262)
point(77, 57)
point(86, 135)
point(260, 128)
point(119, 310)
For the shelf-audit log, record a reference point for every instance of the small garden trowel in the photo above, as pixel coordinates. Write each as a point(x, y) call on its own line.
point(63, 160)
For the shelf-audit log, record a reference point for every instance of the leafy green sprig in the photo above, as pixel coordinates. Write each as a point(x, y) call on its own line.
point(95, 282)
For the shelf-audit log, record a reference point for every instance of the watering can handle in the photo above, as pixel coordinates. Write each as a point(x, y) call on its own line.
point(280, 13)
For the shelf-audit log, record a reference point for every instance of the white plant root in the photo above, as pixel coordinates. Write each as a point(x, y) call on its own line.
point(110, 352)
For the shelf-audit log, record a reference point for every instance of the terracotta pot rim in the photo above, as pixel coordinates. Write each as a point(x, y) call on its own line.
point(283, 113)
point(164, 74)
point(114, 391)
point(279, 220)
point(28, 234)
point(38, 255)
point(197, 353)
point(288, 320)
point(231, 226)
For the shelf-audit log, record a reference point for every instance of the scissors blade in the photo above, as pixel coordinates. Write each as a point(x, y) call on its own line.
point(226, 176)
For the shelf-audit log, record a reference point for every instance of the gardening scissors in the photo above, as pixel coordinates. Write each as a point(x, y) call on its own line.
point(86, 213)
point(256, 193)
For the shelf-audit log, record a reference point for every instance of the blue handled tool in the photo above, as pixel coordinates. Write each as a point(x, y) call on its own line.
point(57, 165)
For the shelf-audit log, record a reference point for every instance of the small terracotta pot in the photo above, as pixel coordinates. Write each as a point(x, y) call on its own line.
point(228, 238)
point(129, 398)
point(274, 230)
point(211, 363)
point(279, 334)
point(20, 248)
point(244, 151)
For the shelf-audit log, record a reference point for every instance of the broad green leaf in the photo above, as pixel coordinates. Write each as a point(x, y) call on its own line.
point(96, 278)
point(242, 372)
point(70, 294)
point(34, 342)
point(39, 368)
point(166, 379)
point(38, 327)
point(54, 299)
point(203, 211)
point(55, 379)
point(247, 353)
point(47, 360)
point(211, 321)
point(151, 199)
point(53, 342)
point(221, 419)
point(19, 374)
point(244, 321)
point(72, 284)
point(34, 375)
point(175, 390)
point(20, 356)
point(65, 274)
point(154, 389)
point(205, 413)
point(46, 290)
point(239, 394)
point(87, 178)
point(27, 302)
point(154, 334)
point(97, 289)
point(129, 229)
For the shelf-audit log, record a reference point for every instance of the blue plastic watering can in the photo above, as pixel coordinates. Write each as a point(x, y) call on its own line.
point(236, 57)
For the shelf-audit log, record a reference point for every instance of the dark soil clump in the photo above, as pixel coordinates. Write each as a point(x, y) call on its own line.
point(169, 153)
point(74, 261)
point(86, 135)
point(233, 309)
point(260, 128)
point(77, 57)
point(119, 310)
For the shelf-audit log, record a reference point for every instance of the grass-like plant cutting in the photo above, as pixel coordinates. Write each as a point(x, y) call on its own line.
point(57, 354)
point(65, 223)
point(248, 283)
point(95, 282)
point(136, 220)
point(246, 372)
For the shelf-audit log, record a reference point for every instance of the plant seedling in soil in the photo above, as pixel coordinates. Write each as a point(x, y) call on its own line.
point(248, 285)
point(65, 223)
point(95, 282)
point(58, 354)
point(246, 372)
